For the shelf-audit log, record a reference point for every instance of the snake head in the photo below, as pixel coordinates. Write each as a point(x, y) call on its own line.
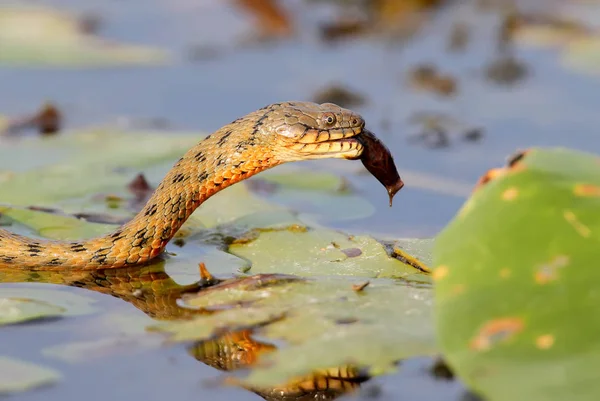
point(306, 131)
point(315, 131)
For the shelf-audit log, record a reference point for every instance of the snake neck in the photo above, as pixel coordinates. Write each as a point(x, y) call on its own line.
point(211, 166)
point(204, 170)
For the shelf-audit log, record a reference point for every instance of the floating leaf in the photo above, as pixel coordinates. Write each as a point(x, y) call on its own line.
point(85, 351)
point(16, 310)
point(319, 252)
point(51, 300)
point(62, 166)
point(55, 226)
point(323, 323)
point(17, 376)
point(516, 284)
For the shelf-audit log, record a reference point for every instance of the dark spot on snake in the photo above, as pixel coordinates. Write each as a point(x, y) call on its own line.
point(208, 137)
point(242, 146)
point(100, 255)
point(55, 261)
point(306, 129)
point(178, 178)
point(151, 211)
point(200, 157)
point(116, 234)
point(33, 249)
point(78, 284)
point(77, 247)
point(166, 233)
point(224, 137)
point(140, 233)
point(203, 176)
point(7, 259)
point(98, 258)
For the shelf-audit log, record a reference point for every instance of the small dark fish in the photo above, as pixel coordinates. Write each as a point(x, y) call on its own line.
point(379, 161)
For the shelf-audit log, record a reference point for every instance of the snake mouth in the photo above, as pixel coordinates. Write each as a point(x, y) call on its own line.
point(345, 148)
point(343, 143)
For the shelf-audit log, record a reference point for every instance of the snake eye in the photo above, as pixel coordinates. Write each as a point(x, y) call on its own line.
point(329, 118)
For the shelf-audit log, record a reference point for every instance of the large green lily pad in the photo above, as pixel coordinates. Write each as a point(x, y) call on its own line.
point(38, 36)
point(322, 323)
point(516, 305)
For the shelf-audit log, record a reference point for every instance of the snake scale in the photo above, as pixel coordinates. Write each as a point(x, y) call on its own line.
point(275, 134)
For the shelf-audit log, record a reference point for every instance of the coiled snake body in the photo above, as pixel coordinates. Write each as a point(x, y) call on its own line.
point(275, 134)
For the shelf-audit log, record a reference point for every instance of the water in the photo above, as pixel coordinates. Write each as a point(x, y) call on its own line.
point(551, 107)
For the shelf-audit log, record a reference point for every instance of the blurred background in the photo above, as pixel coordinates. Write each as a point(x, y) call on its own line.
point(452, 87)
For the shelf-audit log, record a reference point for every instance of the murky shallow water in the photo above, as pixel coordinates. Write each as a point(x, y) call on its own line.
point(552, 107)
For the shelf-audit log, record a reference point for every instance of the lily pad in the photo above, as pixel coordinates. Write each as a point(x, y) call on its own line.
point(16, 310)
point(320, 252)
point(322, 322)
point(92, 350)
point(37, 36)
point(516, 284)
point(63, 165)
point(55, 226)
point(18, 376)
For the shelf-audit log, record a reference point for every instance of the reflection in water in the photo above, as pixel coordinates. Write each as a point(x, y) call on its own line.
point(234, 351)
point(151, 290)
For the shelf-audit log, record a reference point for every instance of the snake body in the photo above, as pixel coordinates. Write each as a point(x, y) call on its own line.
point(275, 134)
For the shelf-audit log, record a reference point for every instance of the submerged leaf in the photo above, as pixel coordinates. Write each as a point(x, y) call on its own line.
point(17, 376)
point(83, 351)
point(16, 310)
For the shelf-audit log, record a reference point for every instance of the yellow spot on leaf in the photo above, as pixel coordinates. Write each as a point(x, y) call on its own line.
point(544, 342)
point(505, 273)
point(581, 228)
point(496, 331)
point(587, 190)
point(458, 289)
point(549, 271)
point(510, 194)
point(440, 272)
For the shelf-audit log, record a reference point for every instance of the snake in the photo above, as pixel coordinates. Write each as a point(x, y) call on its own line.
point(275, 134)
